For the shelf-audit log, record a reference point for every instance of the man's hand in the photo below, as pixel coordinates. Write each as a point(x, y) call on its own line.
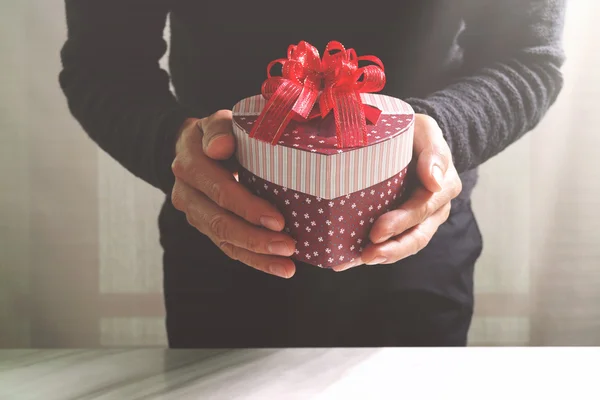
point(408, 229)
point(220, 207)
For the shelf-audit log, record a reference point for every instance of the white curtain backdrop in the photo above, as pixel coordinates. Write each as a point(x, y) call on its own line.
point(80, 263)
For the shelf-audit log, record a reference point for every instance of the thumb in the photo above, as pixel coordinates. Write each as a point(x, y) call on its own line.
point(218, 141)
point(433, 156)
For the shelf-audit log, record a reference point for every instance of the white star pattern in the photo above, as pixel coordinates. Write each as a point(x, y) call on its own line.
point(297, 251)
point(341, 258)
point(328, 230)
point(330, 259)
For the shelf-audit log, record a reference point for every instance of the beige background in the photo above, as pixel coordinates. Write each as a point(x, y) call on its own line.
point(79, 254)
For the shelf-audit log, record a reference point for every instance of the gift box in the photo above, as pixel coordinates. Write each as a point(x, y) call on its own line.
point(331, 164)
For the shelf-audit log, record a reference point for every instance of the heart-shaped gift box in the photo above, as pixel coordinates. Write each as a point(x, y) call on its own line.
point(331, 174)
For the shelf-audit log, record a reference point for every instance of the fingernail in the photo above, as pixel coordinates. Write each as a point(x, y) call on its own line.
point(270, 223)
point(348, 265)
point(377, 260)
point(279, 248)
point(385, 237)
point(277, 269)
point(215, 138)
point(437, 174)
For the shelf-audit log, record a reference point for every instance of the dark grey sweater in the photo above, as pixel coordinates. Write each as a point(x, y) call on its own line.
point(486, 70)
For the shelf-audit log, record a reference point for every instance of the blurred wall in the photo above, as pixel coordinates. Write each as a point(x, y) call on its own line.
point(80, 264)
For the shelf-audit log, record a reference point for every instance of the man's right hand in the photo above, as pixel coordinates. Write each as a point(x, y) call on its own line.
point(245, 227)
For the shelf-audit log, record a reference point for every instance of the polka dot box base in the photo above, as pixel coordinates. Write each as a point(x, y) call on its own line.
point(329, 232)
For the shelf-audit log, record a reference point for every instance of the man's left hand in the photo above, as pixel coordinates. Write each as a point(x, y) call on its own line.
point(407, 230)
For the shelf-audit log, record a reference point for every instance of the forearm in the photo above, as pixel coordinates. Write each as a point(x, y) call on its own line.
point(503, 92)
point(115, 87)
point(138, 133)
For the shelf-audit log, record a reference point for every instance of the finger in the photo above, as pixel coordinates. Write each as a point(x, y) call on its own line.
point(278, 266)
point(415, 210)
point(432, 153)
point(420, 206)
point(218, 141)
point(351, 264)
point(407, 244)
point(223, 227)
point(213, 179)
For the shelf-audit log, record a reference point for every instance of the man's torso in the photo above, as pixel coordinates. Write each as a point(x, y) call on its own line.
point(218, 55)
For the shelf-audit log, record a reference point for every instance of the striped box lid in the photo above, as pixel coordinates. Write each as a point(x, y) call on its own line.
point(307, 160)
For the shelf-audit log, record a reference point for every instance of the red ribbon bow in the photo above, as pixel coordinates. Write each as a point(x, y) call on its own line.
point(335, 82)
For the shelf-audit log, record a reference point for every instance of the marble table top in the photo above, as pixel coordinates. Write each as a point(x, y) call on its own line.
point(125, 374)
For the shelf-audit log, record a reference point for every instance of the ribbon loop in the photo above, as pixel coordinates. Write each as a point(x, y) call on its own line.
point(334, 82)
